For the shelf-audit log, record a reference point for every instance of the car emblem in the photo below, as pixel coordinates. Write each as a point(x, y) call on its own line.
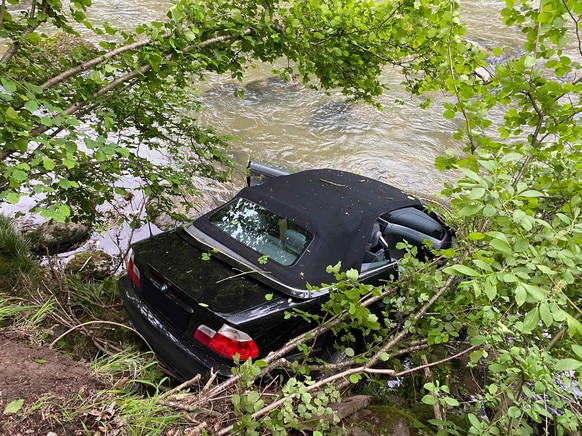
point(164, 288)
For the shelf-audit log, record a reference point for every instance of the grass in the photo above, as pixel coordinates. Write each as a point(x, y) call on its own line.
point(11, 308)
point(17, 266)
point(44, 304)
point(132, 363)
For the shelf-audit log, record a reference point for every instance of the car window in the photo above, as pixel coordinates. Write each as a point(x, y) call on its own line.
point(262, 230)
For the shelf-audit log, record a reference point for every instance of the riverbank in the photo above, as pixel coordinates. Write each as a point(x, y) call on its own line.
point(70, 363)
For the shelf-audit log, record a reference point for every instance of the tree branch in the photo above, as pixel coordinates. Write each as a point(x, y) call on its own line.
point(125, 78)
point(89, 64)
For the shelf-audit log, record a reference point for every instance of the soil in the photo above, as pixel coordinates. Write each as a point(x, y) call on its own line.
point(43, 378)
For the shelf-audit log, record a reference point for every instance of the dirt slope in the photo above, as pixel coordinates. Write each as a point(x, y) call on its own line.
point(30, 373)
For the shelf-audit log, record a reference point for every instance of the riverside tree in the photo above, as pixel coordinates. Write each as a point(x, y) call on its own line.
point(508, 297)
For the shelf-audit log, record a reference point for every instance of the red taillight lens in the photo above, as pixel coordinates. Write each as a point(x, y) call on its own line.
point(133, 272)
point(227, 342)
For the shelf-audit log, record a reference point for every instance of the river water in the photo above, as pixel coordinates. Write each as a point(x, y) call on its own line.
point(293, 127)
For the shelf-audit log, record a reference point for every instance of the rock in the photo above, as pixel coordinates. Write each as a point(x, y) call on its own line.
point(57, 237)
point(90, 265)
point(483, 74)
point(385, 421)
point(351, 405)
point(65, 45)
point(356, 431)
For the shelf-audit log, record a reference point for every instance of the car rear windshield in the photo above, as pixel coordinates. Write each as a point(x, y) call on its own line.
point(267, 233)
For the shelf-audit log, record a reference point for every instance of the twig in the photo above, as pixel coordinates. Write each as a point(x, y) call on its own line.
point(52, 344)
point(182, 386)
point(86, 65)
point(186, 408)
point(242, 274)
point(332, 183)
point(343, 375)
point(276, 359)
point(210, 381)
point(428, 375)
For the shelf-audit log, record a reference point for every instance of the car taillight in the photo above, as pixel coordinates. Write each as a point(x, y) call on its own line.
point(133, 272)
point(227, 342)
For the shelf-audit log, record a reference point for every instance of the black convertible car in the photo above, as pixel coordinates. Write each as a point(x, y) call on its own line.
point(221, 286)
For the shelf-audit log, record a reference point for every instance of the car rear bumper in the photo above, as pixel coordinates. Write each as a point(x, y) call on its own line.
point(181, 359)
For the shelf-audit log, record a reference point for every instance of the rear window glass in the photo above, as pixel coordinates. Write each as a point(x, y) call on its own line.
point(262, 230)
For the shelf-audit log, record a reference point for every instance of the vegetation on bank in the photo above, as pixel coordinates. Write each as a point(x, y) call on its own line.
point(505, 301)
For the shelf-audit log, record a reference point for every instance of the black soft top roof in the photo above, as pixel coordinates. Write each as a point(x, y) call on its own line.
point(338, 207)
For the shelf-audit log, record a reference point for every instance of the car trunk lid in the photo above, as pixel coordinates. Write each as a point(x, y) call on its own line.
point(178, 282)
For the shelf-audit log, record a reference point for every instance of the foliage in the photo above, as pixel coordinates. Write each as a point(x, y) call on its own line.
point(123, 115)
point(296, 407)
point(505, 298)
point(519, 258)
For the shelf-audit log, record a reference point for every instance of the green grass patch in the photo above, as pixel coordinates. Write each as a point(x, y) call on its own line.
point(17, 265)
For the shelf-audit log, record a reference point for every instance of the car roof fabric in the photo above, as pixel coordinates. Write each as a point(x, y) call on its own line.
point(338, 207)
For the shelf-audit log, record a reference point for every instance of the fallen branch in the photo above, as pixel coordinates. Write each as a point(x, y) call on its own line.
point(52, 344)
point(181, 387)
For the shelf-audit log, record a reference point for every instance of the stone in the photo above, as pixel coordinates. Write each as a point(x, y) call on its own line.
point(90, 265)
point(383, 420)
point(351, 405)
point(57, 237)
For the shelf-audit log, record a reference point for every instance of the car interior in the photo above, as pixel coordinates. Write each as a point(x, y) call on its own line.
point(406, 224)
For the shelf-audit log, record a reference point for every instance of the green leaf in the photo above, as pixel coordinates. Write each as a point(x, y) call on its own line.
point(520, 295)
point(9, 85)
point(19, 175)
point(429, 399)
point(474, 421)
point(535, 292)
point(461, 270)
point(59, 213)
point(500, 245)
point(13, 198)
point(529, 61)
point(546, 314)
point(478, 340)
point(46, 121)
point(477, 193)
point(355, 378)
point(48, 164)
point(451, 401)
point(13, 407)
point(11, 114)
point(449, 114)
point(352, 275)
point(31, 105)
point(531, 194)
point(574, 326)
point(568, 364)
point(69, 163)
point(531, 321)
